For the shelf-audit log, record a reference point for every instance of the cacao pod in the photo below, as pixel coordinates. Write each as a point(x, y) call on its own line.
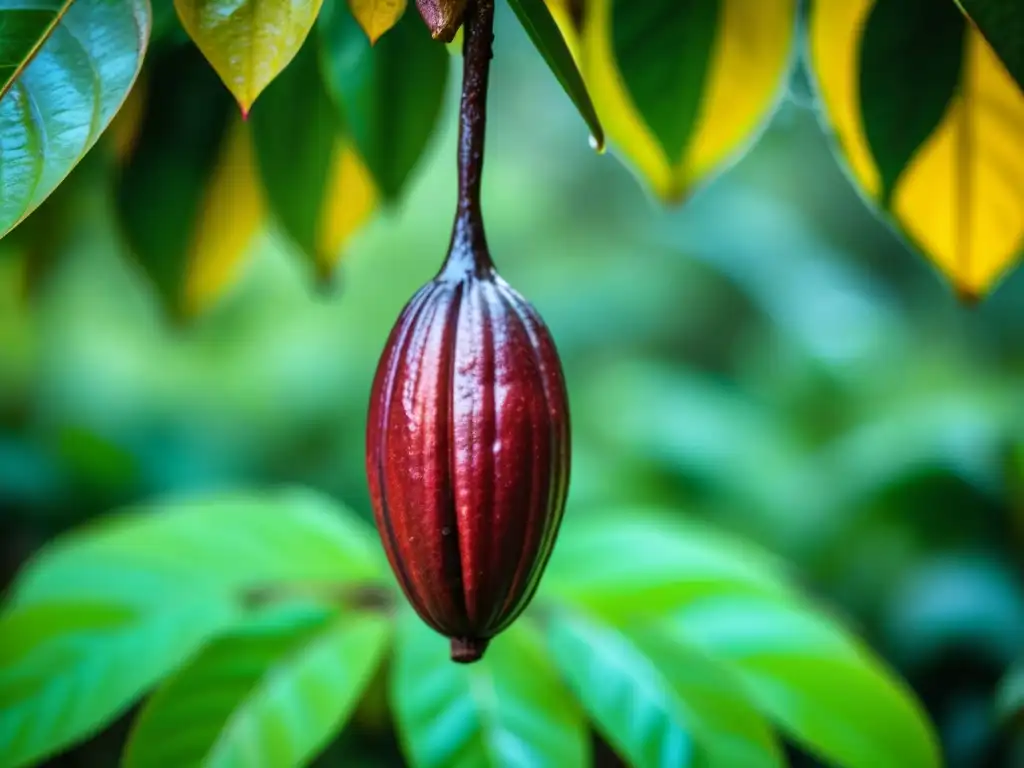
point(442, 17)
point(468, 453)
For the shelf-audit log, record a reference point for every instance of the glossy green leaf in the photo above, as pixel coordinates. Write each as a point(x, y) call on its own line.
point(317, 188)
point(660, 703)
point(677, 562)
point(67, 667)
point(1002, 24)
point(186, 198)
point(248, 43)
point(911, 56)
point(65, 69)
point(547, 38)
point(509, 709)
point(663, 50)
point(274, 540)
point(272, 692)
point(814, 680)
point(390, 94)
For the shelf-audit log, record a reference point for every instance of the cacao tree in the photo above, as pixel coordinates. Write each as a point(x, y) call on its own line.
point(251, 628)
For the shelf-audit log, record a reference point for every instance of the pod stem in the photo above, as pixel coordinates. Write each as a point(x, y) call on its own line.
point(468, 250)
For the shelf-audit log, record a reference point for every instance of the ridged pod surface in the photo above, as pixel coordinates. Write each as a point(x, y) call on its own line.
point(468, 453)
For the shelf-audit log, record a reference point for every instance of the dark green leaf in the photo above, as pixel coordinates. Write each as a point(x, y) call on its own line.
point(1001, 22)
point(160, 192)
point(277, 687)
point(815, 681)
point(911, 57)
point(1010, 701)
point(509, 709)
point(295, 127)
point(659, 702)
point(65, 69)
point(543, 31)
point(217, 544)
point(641, 562)
point(390, 94)
point(69, 667)
point(663, 50)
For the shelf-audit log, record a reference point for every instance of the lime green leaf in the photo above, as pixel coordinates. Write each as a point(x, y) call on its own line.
point(958, 200)
point(681, 562)
point(547, 38)
point(1010, 702)
point(274, 539)
point(663, 50)
point(507, 709)
point(1002, 24)
point(271, 692)
point(376, 16)
point(316, 185)
point(65, 69)
point(815, 681)
point(911, 54)
point(659, 702)
point(390, 94)
point(679, 111)
point(248, 43)
point(69, 667)
point(187, 198)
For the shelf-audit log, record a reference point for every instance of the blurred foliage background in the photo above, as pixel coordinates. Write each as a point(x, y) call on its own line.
point(769, 357)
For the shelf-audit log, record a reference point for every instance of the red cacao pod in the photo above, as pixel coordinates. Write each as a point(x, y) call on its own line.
point(468, 453)
point(442, 17)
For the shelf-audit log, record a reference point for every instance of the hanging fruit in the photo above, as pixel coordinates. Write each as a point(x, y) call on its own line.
point(468, 436)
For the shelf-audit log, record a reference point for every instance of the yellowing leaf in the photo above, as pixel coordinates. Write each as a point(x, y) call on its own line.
point(960, 199)
point(748, 57)
point(248, 42)
point(350, 199)
point(230, 214)
point(376, 16)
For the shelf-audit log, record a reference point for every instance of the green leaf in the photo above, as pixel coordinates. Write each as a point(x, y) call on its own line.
point(663, 49)
point(390, 94)
point(659, 702)
point(65, 69)
point(69, 667)
point(509, 709)
point(1010, 700)
point(547, 38)
point(911, 58)
point(186, 199)
point(272, 692)
point(815, 681)
point(274, 540)
point(317, 189)
point(642, 562)
point(248, 42)
point(1001, 22)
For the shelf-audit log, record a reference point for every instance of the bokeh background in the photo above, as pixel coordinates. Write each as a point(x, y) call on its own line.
point(770, 357)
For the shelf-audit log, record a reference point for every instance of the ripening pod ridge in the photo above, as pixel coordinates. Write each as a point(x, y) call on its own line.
point(468, 453)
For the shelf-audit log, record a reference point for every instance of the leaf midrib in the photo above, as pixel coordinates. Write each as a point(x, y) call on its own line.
point(35, 49)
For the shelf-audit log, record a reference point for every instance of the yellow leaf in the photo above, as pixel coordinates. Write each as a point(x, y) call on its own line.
point(350, 199)
point(231, 213)
point(961, 198)
point(377, 16)
point(751, 54)
point(248, 42)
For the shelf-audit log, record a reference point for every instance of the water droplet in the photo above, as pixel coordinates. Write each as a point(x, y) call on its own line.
point(446, 531)
point(597, 146)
